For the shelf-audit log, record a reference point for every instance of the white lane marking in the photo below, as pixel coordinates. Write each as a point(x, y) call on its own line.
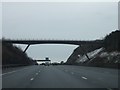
point(12, 71)
point(109, 88)
point(7, 73)
point(36, 73)
point(32, 79)
point(72, 72)
point(84, 78)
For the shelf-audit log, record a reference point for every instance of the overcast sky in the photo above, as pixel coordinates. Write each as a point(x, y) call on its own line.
point(58, 20)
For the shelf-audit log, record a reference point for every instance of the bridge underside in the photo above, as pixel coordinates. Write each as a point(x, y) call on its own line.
point(72, 42)
point(43, 60)
point(32, 42)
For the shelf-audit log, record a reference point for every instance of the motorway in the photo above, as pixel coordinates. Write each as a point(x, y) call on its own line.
point(61, 76)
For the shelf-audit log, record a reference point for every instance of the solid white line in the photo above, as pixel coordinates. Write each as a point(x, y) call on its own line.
point(32, 79)
point(109, 88)
point(84, 78)
point(8, 73)
point(12, 72)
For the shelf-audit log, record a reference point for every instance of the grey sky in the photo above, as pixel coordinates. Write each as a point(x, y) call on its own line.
point(58, 20)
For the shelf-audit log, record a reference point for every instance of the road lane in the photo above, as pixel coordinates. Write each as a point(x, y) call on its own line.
point(20, 78)
point(62, 76)
point(51, 77)
point(99, 76)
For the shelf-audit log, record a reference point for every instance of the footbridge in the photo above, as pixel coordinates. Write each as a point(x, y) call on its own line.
point(71, 42)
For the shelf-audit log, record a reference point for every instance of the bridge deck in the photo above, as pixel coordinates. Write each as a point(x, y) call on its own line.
point(42, 60)
point(73, 42)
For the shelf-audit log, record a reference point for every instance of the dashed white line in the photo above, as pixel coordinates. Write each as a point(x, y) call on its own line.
point(32, 79)
point(84, 78)
point(72, 72)
point(36, 73)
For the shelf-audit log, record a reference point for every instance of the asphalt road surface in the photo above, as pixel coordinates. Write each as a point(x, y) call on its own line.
point(61, 76)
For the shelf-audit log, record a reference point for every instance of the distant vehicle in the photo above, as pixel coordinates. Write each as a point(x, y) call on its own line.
point(47, 58)
point(47, 63)
point(55, 63)
point(42, 64)
point(36, 64)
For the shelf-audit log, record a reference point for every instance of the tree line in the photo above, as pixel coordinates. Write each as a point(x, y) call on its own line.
point(112, 41)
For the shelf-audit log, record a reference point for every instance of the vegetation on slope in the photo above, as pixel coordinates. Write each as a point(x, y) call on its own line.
point(12, 55)
point(79, 51)
point(108, 57)
point(112, 41)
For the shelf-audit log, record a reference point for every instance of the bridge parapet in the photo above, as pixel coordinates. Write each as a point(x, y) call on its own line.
point(42, 60)
point(73, 42)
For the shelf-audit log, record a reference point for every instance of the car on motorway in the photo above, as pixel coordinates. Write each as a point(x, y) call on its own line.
point(45, 64)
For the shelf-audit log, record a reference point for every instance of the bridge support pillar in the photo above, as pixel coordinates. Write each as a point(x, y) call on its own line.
point(85, 52)
point(26, 48)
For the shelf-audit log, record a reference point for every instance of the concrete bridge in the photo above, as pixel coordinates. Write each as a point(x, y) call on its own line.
point(42, 60)
point(71, 42)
